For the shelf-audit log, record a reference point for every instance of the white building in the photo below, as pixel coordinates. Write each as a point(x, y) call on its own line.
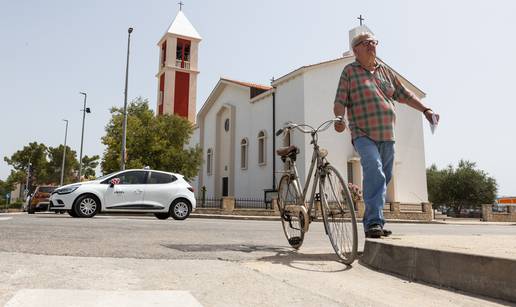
point(235, 130)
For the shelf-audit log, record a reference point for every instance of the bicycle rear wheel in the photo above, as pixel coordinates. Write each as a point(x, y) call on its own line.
point(339, 216)
point(292, 219)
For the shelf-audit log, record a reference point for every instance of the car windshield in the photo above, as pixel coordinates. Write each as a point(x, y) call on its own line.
point(104, 177)
point(46, 189)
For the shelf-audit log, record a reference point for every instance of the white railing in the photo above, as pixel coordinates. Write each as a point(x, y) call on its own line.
point(185, 66)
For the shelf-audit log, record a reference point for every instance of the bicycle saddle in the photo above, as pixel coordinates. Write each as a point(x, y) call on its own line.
point(285, 151)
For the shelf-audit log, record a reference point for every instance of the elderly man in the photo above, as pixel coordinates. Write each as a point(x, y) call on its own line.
point(367, 90)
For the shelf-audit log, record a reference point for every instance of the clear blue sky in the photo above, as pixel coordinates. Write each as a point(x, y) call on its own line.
point(461, 53)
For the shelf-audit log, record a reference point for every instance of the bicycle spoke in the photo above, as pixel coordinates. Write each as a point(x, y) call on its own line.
point(339, 216)
point(292, 221)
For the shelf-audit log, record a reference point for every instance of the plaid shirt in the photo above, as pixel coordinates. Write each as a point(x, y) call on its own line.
point(369, 100)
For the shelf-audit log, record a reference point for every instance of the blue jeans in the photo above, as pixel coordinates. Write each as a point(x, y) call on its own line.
point(377, 159)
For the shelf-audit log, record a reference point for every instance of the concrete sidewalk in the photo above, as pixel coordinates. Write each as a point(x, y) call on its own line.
point(479, 264)
point(483, 264)
point(454, 221)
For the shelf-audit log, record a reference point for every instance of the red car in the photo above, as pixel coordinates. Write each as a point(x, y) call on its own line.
point(39, 200)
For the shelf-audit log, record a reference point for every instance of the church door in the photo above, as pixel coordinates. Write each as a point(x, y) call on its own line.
point(225, 186)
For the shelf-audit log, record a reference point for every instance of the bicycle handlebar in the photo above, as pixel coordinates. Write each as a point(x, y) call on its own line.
point(322, 127)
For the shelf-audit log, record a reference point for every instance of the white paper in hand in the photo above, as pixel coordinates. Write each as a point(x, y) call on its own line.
point(433, 124)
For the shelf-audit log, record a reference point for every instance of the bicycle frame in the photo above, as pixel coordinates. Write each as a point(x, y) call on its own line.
point(317, 160)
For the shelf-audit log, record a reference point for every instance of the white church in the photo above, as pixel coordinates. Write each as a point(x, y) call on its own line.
point(235, 126)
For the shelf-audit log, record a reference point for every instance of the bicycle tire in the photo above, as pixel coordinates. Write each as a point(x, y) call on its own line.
point(339, 215)
point(292, 223)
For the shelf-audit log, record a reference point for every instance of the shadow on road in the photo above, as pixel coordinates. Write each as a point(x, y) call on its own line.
point(324, 263)
point(283, 255)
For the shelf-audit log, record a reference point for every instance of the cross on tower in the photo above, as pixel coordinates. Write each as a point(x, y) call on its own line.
point(181, 5)
point(360, 18)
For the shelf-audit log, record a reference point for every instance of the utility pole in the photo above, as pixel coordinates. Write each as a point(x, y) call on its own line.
point(124, 124)
point(27, 190)
point(84, 111)
point(64, 154)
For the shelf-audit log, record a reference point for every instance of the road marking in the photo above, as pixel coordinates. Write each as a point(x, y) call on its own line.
point(94, 298)
point(5, 218)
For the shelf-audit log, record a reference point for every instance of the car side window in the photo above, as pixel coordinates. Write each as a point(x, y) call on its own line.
point(157, 178)
point(132, 177)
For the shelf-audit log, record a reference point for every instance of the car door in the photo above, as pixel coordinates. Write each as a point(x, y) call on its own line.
point(127, 193)
point(159, 190)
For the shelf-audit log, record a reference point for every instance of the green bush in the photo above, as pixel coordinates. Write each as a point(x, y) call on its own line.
point(15, 205)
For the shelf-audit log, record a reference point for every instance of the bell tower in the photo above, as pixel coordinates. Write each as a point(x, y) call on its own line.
point(177, 71)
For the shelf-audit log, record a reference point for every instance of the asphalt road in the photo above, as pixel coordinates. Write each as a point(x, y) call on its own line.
point(220, 262)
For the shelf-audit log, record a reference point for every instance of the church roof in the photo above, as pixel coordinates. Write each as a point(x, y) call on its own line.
point(182, 26)
point(258, 86)
point(346, 56)
point(221, 84)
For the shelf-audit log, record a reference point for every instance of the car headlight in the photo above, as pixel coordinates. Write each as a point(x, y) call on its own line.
point(67, 190)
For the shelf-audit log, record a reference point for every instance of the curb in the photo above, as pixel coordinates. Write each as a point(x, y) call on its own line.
point(484, 275)
point(235, 217)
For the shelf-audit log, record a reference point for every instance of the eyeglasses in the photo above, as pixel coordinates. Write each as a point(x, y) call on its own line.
point(372, 42)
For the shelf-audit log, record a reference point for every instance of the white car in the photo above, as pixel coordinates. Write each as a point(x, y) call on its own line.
point(164, 194)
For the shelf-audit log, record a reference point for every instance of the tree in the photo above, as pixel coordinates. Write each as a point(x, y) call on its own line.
point(14, 178)
point(55, 155)
point(36, 154)
point(154, 141)
point(461, 187)
point(89, 164)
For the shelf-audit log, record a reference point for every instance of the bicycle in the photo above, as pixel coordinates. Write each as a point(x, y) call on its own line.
point(337, 206)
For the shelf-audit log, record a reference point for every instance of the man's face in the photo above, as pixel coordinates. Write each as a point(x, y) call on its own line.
point(366, 49)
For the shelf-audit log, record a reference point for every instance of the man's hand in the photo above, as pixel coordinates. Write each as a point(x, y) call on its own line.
point(428, 114)
point(339, 126)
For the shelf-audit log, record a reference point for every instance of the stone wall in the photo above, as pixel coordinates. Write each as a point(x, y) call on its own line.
point(394, 212)
point(489, 216)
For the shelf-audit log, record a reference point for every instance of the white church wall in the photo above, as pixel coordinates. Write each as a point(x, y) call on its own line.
point(231, 95)
point(251, 119)
point(320, 88)
point(290, 106)
point(410, 156)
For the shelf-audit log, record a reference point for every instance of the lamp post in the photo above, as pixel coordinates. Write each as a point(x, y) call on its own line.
point(124, 124)
point(64, 153)
point(84, 111)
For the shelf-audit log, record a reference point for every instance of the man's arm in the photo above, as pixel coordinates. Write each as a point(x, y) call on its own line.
point(341, 100)
point(403, 95)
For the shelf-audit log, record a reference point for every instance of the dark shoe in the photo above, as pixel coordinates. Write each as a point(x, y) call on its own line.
point(374, 232)
point(386, 233)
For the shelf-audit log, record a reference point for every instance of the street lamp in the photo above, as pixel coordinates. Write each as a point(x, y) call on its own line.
point(64, 154)
point(124, 124)
point(84, 111)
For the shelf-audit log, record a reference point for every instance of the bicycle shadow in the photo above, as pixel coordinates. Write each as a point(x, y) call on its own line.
point(316, 262)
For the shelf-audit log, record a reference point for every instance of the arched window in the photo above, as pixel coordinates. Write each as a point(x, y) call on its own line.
point(209, 161)
point(262, 137)
point(243, 153)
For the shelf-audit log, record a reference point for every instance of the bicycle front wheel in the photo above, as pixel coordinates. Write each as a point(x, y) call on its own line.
point(292, 219)
point(339, 215)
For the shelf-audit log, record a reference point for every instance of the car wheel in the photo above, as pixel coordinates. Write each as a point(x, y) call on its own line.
point(86, 206)
point(180, 209)
point(72, 213)
point(162, 215)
